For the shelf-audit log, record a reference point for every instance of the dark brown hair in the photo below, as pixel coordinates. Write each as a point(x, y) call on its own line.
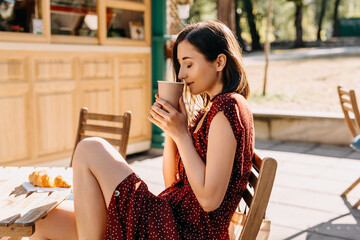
point(212, 38)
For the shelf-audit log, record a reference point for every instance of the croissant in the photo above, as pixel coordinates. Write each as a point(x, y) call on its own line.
point(59, 181)
point(41, 178)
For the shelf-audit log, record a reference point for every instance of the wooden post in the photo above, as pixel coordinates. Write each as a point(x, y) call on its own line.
point(267, 43)
point(102, 21)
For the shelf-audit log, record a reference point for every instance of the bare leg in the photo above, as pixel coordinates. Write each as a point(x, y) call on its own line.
point(97, 168)
point(59, 224)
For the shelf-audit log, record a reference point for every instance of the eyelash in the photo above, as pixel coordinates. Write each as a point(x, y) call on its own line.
point(189, 66)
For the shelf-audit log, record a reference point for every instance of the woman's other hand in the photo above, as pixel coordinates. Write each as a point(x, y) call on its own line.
point(155, 103)
point(170, 120)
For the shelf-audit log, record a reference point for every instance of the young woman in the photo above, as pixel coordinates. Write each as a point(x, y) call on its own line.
point(206, 164)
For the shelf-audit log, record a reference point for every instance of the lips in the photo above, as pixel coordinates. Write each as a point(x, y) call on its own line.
point(188, 84)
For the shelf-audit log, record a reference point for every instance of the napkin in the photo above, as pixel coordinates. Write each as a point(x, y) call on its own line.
point(31, 188)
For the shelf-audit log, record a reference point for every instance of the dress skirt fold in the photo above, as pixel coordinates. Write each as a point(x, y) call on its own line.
point(138, 214)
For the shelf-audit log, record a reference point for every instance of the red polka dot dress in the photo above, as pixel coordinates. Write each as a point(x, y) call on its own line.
point(136, 213)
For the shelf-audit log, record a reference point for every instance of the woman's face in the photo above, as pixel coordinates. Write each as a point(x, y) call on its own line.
point(197, 72)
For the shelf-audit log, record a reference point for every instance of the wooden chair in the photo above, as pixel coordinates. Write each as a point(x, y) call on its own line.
point(257, 195)
point(349, 106)
point(113, 128)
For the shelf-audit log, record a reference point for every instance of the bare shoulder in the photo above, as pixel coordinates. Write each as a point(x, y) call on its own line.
point(220, 127)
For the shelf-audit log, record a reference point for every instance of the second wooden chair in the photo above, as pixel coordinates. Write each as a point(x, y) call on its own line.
point(113, 128)
point(349, 106)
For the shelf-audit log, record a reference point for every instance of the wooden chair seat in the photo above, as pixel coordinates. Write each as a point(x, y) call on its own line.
point(113, 128)
point(350, 108)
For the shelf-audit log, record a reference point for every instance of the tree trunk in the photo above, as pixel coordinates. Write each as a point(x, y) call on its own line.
point(248, 7)
point(298, 24)
point(336, 32)
point(321, 18)
point(267, 43)
point(226, 13)
point(238, 27)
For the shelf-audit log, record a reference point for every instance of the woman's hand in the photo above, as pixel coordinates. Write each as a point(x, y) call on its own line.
point(166, 117)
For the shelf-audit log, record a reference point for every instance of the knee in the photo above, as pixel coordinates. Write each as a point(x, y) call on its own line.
point(85, 149)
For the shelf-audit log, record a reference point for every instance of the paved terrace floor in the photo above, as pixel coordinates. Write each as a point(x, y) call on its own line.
point(305, 202)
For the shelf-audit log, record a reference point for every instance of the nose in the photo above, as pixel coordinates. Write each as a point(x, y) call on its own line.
point(182, 73)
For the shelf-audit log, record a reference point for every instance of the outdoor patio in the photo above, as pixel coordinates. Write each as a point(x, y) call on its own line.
point(305, 202)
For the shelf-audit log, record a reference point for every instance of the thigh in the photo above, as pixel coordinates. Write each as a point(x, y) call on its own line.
point(106, 164)
point(59, 223)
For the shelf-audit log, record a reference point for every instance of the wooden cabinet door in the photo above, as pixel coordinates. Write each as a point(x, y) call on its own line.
point(15, 129)
point(136, 98)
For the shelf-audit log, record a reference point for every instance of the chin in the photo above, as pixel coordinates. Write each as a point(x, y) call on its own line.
point(193, 92)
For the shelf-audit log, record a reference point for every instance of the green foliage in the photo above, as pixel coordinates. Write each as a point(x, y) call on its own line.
point(283, 17)
point(283, 21)
point(297, 2)
point(203, 10)
point(185, 1)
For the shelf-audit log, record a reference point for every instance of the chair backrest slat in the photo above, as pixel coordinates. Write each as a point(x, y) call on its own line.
point(104, 117)
point(112, 141)
point(342, 91)
point(247, 197)
point(349, 104)
point(105, 129)
point(103, 125)
point(349, 109)
point(258, 202)
point(257, 161)
point(345, 100)
point(253, 179)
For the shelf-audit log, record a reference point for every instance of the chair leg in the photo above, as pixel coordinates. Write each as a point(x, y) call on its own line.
point(356, 205)
point(351, 187)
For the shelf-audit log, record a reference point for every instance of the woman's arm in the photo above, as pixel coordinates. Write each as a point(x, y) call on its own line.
point(209, 182)
point(169, 157)
point(169, 162)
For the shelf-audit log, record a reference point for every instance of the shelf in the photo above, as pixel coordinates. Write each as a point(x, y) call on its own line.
point(72, 9)
point(103, 22)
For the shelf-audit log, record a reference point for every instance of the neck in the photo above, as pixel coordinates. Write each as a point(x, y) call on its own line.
point(215, 90)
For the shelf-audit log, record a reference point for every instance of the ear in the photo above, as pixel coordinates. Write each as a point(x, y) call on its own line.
point(220, 62)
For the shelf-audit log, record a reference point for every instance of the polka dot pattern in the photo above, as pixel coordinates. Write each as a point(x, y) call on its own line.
point(139, 214)
point(175, 213)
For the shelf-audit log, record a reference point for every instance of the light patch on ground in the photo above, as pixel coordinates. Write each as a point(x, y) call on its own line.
point(304, 84)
